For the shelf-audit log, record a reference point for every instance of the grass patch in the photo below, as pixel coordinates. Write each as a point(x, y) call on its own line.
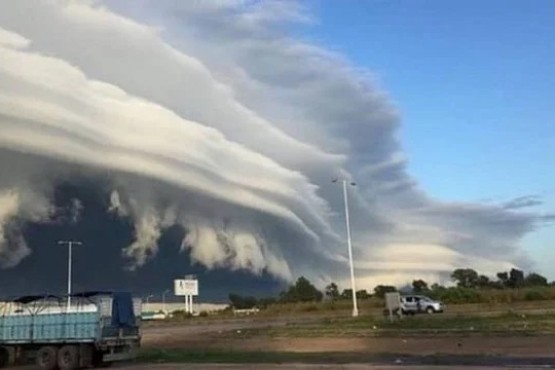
point(373, 326)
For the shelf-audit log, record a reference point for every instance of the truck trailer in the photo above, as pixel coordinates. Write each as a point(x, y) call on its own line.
point(66, 333)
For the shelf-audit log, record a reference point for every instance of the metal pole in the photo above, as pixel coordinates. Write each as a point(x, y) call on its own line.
point(350, 248)
point(70, 244)
point(164, 301)
point(69, 257)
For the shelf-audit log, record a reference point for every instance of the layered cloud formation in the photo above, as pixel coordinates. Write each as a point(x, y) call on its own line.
point(207, 115)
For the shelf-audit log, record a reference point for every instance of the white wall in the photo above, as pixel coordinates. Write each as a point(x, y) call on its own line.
point(170, 307)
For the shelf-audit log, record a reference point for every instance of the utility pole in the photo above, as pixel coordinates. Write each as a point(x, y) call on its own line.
point(349, 244)
point(164, 299)
point(70, 244)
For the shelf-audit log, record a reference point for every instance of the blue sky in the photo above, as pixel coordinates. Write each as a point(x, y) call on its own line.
point(473, 81)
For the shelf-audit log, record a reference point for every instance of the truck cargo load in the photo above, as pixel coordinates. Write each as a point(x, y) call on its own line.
point(86, 329)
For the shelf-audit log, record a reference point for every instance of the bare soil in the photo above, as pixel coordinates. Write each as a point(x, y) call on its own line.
point(298, 366)
point(230, 337)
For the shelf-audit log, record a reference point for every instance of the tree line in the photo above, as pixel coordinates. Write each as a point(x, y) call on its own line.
point(470, 287)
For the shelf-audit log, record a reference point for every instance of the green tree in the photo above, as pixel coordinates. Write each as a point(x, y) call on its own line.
point(483, 281)
point(534, 280)
point(381, 290)
point(238, 302)
point(503, 278)
point(332, 292)
point(347, 294)
point(436, 286)
point(362, 294)
point(302, 291)
point(419, 286)
point(516, 278)
point(465, 278)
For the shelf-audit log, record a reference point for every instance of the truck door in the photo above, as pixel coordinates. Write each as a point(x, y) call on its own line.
point(410, 304)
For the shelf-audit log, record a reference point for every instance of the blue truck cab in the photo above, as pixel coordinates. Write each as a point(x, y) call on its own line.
point(66, 333)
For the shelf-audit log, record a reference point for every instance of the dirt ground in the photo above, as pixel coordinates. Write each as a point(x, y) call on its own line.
point(300, 367)
point(499, 352)
point(294, 367)
point(229, 336)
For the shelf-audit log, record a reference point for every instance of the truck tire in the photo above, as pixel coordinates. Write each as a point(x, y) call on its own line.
point(430, 310)
point(4, 357)
point(68, 358)
point(47, 358)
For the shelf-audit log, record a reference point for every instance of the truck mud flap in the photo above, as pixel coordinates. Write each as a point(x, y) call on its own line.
point(120, 356)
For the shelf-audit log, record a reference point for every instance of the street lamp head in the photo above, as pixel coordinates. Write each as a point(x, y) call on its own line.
point(336, 179)
point(61, 242)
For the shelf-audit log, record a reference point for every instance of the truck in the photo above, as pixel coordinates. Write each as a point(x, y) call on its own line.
point(70, 332)
point(413, 304)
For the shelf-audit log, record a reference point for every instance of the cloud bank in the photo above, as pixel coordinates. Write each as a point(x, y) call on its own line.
point(209, 116)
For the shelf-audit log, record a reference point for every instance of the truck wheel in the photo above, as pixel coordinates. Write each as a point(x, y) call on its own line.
point(4, 357)
point(430, 310)
point(47, 358)
point(68, 358)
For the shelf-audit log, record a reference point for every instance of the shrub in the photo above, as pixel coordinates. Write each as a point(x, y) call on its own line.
point(535, 295)
point(181, 315)
point(457, 295)
point(310, 308)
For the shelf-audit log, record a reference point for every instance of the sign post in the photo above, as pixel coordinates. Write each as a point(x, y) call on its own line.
point(393, 303)
point(187, 288)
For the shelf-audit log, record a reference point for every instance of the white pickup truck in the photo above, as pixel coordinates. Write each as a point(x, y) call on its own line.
point(413, 304)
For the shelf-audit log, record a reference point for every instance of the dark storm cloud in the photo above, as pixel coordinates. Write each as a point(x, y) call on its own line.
point(209, 117)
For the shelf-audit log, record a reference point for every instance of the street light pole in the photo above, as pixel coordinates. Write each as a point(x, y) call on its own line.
point(164, 299)
point(349, 245)
point(70, 244)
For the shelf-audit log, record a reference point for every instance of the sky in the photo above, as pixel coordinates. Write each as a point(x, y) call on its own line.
point(212, 129)
point(437, 60)
point(474, 83)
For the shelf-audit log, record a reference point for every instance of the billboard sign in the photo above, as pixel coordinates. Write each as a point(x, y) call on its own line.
point(392, 300)
point(185, 287)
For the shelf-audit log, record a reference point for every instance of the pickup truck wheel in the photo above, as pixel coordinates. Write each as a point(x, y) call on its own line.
point(68, 358)
point(430, 310)
point(47, 358)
